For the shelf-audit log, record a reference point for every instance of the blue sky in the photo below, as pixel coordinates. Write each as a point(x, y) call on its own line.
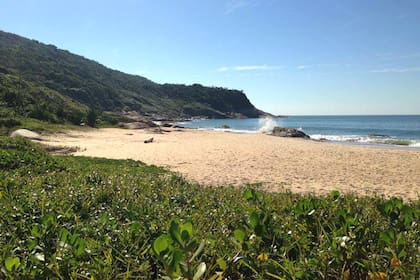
point(290, 57)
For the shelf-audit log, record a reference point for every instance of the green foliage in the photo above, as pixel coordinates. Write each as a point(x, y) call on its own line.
point(20, 98)
point(178, 252)
point(89, 218)
point(23, 156)
point(91, 118)
point(9, 123)
point(68, 84)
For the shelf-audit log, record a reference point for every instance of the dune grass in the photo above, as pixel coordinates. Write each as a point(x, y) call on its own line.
point(66, 217)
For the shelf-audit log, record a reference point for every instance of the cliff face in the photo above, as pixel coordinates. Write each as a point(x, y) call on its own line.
point(88, 84)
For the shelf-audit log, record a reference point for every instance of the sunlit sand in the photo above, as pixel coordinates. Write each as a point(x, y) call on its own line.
point(279, 164)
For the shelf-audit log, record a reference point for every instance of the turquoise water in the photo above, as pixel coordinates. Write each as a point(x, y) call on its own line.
point(385, 130)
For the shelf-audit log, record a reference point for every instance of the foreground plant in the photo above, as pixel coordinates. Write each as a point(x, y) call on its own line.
point(89, 218)
point(178, 251)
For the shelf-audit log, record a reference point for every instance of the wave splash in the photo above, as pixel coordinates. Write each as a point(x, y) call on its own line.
point(368, 140)
point(266, 125)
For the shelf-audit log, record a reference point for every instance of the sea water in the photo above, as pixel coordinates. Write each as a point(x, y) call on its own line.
point(401, 130)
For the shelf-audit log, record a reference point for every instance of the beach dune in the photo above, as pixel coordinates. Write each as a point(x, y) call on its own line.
point(279, 164)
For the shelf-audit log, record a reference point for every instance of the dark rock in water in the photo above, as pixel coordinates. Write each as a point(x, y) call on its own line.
point(178, 126)
point(289, 132)
point(166, 125)
point(171, 125)
point(225, 126)
point(138, 125)
point(376, 135)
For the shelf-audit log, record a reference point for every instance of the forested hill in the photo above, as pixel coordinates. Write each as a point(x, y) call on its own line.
point(35, 77)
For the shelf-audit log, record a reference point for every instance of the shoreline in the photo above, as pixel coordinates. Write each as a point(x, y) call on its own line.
point(349, 143)
point(376, 130)
point(279, 164)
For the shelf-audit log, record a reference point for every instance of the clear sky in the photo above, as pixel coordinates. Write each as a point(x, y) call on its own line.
point(290, 57)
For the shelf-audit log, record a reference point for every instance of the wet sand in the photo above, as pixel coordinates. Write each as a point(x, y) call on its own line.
point(279, 164)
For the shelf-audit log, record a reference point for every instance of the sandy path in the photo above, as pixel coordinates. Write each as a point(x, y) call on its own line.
point(217, 158)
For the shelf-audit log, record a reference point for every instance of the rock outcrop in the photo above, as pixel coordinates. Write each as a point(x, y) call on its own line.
point(289, 132)
point(25, 133)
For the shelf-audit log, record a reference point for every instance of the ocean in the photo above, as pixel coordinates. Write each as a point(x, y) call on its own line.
point(391, 130)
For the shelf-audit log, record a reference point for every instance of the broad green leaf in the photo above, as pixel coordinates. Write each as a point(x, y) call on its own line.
point(248, 194)
point(239, 235)
point(402, 254)
point(388, 236)
point(175, 233)
point(388, 207)
point(254, 219)
point(222, 264)
point(187, 227)
point(81, 248)
point(32, 243)
point(184, 235)
point(160, 244)
point(64, 233)
point(35, 231)
point(186, 231)
point(135, 227)
point(200, 271)
point(74, 239)
point(12, 263)
point(398, 203)
point(174, 265)
point(177, 257)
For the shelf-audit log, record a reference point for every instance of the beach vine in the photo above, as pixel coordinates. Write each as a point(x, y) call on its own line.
point(67, 217)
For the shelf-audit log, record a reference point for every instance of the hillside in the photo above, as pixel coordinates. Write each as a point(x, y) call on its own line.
point(42, 81)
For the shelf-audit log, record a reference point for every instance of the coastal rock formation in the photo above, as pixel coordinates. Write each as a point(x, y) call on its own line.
point(25, 133)
point(289, 132)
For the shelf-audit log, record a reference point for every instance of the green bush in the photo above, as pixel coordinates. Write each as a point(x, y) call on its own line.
point(86, 218)
point(9, 123)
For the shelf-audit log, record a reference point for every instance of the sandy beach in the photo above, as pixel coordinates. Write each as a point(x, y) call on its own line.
point(279, 164)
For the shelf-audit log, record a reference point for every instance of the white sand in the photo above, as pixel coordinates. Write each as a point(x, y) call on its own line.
point(220, 158)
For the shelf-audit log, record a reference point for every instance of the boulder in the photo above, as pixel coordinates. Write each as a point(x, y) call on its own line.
point(25, 133)
point(150, 140)
point(166, 124)
point(178, 126)
point(289, 132)
point(171, 125)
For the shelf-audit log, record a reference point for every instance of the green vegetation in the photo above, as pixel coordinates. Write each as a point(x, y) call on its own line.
point(46, 83)
point(66, 217)
point(19, 98)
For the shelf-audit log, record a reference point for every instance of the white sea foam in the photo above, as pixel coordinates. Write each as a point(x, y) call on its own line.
point(339, 138)
point(235, 130)
point(266, 124)
point(368, 140)
point(415, 144)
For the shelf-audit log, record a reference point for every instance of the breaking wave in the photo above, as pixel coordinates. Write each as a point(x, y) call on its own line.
point(266, 125)
point(368, 140)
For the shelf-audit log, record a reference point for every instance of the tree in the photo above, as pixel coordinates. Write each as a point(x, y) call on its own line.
point(91, 118)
